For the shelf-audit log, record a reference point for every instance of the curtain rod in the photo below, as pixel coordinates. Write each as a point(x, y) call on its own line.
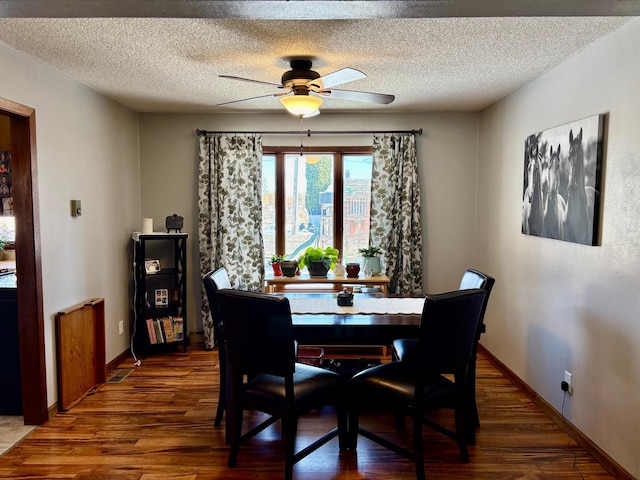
point(310, 132)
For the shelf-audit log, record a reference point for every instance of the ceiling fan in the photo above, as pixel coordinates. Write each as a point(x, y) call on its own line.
point(304, 89)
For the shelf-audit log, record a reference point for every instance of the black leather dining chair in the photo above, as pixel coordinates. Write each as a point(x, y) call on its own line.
point(405, 348)
point(263, 375)
point(447, 338)
point(212, 282)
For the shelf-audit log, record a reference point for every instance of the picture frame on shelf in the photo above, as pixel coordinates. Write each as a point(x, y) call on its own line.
point(151, 266)
point(162, 297)
point(7, 206)
point(175, 297)
point(6, 184)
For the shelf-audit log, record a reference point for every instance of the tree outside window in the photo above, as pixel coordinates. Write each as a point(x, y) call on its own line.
point(301, 191)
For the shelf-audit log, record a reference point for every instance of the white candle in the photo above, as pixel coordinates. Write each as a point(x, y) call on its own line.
point(147, 225)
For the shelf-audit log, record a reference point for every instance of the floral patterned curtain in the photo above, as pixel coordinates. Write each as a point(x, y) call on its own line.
point(395, 210)
point(230, 213)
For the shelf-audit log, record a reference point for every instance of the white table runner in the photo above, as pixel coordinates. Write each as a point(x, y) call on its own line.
point(361, 305)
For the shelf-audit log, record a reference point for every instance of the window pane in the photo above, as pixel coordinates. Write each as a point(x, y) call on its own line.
point(309, 202)
point(269, 207)
point(356, 205)
point(7, 229)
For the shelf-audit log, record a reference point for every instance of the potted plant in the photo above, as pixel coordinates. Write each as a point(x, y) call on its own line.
point(289, 268)
point(275, 262)
point(370, 251)
point(1, 248)
point(318, 260)
point(371, 263)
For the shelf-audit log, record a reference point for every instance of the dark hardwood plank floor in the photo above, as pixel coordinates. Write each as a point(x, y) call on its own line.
point(157, 423)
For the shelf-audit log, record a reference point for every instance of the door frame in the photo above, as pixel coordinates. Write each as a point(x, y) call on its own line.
point(22, 124)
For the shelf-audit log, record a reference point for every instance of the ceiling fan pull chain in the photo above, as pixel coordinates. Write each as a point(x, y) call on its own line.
point(301, 147)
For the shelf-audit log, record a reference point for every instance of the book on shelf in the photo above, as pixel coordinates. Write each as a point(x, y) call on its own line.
point(178, 328)
point(152, 332)
point(167, 329)
point(158, 328)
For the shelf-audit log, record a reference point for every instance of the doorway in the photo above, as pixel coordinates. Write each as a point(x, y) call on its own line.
point(28, 262)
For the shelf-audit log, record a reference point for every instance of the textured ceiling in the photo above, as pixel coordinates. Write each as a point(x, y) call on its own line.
point(429, 64)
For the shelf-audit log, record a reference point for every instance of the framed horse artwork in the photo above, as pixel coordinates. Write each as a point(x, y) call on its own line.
point(562, 181)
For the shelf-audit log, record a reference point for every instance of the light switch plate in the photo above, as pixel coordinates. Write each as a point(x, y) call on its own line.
point(76, 208)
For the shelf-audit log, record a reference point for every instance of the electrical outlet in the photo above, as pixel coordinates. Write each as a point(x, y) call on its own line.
point(121, 327)
point(567, 379)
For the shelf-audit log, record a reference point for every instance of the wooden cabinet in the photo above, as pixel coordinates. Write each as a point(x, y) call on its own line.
point(160, 291)
point(11, 398)
point(81, 356)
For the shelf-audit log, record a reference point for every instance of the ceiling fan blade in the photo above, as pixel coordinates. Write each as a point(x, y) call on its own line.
point(231, 77)
point(338, 77)
point(252, 98)
point(380, 98)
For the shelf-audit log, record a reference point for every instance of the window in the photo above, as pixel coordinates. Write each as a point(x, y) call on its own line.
point(7, 229)
point(319, 199)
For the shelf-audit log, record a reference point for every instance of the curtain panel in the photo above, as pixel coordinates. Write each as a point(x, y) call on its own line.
point(395, 210)
point(230, 213)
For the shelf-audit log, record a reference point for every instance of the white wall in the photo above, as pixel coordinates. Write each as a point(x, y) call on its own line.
point(87, 149)
point(561, 306)
point(447, 154)
point(556, 305)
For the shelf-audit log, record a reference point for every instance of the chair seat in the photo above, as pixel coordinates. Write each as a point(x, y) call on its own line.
point(264, 376)
point(395, 383)
point(446, 343)
point(212, 282)
point(404, 349)
point(310, 386)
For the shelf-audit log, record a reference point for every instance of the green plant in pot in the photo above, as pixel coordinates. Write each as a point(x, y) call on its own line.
point(276, 261)
point(318, 260)
point(371, 264)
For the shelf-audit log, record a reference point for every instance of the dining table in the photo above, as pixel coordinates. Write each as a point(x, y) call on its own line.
point(374, 319)
point(275, 284)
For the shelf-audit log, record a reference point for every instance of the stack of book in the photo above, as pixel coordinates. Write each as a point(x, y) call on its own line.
point(165, 329)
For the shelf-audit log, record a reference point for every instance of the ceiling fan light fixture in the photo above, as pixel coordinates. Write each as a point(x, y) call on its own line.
point(301, 105)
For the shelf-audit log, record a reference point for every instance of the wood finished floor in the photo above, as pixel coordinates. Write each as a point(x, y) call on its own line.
point(158, 424)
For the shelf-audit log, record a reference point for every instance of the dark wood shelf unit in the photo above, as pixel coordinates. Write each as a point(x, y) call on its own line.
point(170, 250)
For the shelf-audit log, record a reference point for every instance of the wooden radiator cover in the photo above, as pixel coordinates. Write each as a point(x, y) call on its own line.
point(81, 351)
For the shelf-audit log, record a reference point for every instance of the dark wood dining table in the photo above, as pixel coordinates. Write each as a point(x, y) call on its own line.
point(352, 329)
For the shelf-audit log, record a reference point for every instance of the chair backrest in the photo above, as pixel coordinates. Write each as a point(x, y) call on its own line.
point(214, 281)
point(221, 278)
point(448, 333)
point(476, 279)
point(258, 332)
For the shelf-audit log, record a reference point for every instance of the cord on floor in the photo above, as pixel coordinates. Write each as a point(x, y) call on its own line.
point(566, 430)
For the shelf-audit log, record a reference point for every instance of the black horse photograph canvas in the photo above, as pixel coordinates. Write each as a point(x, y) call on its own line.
point(561, 192)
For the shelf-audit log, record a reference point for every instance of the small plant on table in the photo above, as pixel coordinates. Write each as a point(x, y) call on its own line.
point(318, 260)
